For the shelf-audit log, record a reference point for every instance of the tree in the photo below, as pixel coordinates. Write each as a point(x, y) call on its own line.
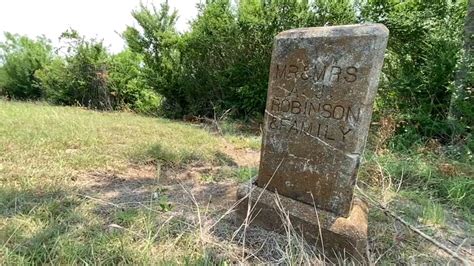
point(128, 85)
point(81, 77)
point(21, 58)
point(157, 41)
point(462, 100)
point(222, 63)
point(422, 55)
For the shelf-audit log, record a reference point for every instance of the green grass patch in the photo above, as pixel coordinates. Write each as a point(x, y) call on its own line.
point(41, 140)
point(239, 174)
point(43, 217)
point(446, 180)
point(245, 142)
point(241, 135)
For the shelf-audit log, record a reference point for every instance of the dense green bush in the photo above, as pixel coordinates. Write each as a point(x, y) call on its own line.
point(423, 51)
point(128, 86)
point(80, 78)
point(222, 62)
point(87, 75)
point(157, 41)
point(20, 58)
point(54, 81)
point(87, 64)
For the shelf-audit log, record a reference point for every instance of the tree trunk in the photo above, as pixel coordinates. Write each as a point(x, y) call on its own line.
point(463, 86)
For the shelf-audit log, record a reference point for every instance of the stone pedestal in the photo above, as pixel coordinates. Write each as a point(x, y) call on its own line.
point(341, 236)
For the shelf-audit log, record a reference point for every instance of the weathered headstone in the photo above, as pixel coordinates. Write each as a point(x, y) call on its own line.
point(321, 90)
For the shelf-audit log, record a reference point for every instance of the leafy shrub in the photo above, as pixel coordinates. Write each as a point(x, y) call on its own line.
point(128, 85)
point(222, 62)
point(55, 81)
point(87, 64)
point(423, 52)
point(89, 76)
point(157, 41)
point(80, 78)
point(21, 57)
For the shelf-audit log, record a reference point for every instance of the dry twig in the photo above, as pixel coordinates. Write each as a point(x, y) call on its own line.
point(411, 227)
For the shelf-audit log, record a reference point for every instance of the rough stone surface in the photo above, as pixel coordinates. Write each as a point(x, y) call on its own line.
point(339, 235)
point(322, 86)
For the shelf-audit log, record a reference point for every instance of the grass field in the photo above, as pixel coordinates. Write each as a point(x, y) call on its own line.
point(79, 186)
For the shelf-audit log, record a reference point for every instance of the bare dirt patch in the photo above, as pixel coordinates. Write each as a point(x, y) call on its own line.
point(111, 189)
point(138, 184)
point(244, 157)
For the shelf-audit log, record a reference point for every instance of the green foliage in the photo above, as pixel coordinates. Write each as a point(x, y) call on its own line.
point(128, 85)
point(211, 60)
point(89, 76)
point(81, 77)
point(162, 199)
point(428, 173)
point(420, 66)
point(87, 64)
point(243, 174)
point(54, 80)
point(157, 42)
point(463, 98)
point(21, 57)
point(222, 62)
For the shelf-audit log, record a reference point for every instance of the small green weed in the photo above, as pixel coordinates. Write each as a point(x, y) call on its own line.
point(126, 216)
point(243, 174)
point(160, 197)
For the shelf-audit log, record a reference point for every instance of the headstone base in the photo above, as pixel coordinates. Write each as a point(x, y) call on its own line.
point(341, 236)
